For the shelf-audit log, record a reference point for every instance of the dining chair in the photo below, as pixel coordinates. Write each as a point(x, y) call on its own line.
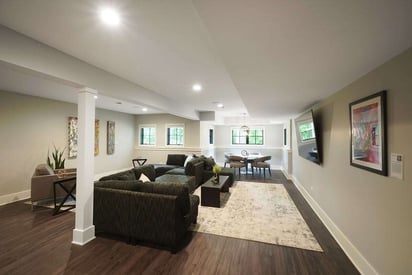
point(227, 159)
point(261, 163)
point(237, 162)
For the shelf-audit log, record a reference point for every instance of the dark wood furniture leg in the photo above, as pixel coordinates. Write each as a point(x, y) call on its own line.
point(69, 193)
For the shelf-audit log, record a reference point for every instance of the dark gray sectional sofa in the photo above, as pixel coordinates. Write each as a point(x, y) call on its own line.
point(147, 212)
point(199, 166)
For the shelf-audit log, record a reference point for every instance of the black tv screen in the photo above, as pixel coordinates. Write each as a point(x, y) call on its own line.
point(307, 135)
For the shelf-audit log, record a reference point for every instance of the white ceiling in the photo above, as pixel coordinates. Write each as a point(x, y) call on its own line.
point(268, 58)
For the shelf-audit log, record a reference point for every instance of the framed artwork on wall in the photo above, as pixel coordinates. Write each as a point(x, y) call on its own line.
point(110, 137)
point(96, 136)
point(368, 133)
point(73, 137)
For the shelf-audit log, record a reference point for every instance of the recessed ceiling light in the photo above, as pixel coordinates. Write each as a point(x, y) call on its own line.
point(144, 109)
point(220, 105)
point(197, 87)
point(109, 16)
point(96, 97)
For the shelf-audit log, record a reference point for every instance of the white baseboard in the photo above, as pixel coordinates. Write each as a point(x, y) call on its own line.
point(275, 167)
point(9, 198)
point(285, 173)
point(363, 266)
point(23, 195)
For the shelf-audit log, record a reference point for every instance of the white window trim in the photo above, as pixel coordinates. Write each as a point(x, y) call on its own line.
point(248, 145)
point(140, 126)
point(171, 126)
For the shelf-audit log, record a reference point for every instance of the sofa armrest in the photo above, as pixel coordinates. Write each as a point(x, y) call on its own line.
point(111, 211)
point(42, 187)
point(198, 172)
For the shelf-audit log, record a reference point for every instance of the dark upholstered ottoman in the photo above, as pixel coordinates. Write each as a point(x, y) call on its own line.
point(178, 179)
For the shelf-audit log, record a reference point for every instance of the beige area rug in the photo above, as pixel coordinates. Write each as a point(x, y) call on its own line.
point(258, 212)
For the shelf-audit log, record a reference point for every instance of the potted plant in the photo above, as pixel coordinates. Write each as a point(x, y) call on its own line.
point(58, 159)
point(216, 170)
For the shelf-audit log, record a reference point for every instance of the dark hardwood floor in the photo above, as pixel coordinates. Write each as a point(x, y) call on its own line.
point(35, 242)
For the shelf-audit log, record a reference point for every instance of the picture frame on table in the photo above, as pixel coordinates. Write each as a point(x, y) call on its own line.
point(368, 142)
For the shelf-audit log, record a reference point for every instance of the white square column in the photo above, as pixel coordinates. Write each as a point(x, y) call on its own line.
point(83, 231)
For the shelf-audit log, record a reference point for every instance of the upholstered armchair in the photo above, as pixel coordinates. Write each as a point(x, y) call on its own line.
point(42, 182)
point(261, 163)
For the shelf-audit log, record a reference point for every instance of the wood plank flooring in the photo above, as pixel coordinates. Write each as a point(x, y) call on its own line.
point(35, 242)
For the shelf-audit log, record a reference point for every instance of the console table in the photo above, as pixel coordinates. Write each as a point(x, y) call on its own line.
point(69, 193)
point(210, 191)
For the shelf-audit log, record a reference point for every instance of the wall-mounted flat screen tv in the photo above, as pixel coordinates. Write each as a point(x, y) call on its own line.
point(307, 135)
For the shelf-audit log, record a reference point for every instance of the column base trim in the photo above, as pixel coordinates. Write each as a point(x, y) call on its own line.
point(83, 236)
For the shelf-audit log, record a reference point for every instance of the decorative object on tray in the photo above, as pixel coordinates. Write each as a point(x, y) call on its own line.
point(216, 170)
point(368, 133)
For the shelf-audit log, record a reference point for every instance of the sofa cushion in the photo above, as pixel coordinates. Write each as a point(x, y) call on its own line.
point(131, 185)
point(148, 170)
point(176, 171)
point(209, 162)
point(189, 181)
point(176, 159)
point(125, 175)
point(161, 169)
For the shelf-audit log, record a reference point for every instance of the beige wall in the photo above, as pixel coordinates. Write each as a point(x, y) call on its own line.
point(207, 148)
point(373, 212)
point(158, 153)
point(29, 126)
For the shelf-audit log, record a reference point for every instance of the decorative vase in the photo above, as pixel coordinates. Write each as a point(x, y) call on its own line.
point(216, 178)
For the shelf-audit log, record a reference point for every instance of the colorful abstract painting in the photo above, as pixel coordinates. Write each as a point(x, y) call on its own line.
point(96, 137)
point(73, 137)
point(368, 133)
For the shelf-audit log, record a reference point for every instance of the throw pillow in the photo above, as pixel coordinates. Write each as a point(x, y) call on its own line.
point(189, 158)
point(209, 163)
point(144, 178)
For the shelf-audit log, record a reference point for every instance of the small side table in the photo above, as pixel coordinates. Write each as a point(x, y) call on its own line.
point(138, 162)
point(69, 193)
